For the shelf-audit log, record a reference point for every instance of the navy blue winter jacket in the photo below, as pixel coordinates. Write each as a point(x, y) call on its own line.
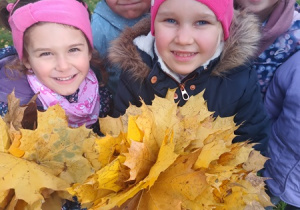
point(230, 85)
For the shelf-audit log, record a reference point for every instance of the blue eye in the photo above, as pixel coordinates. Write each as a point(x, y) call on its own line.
point(201, 22)
point(45, 54)
point(170, 20)
point(74, 50)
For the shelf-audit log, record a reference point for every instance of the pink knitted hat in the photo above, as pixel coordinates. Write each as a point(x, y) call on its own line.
point(223, 10)
point(68, 12)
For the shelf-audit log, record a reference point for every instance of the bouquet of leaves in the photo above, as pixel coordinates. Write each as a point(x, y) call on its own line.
point(167, 157)
point(157, 156)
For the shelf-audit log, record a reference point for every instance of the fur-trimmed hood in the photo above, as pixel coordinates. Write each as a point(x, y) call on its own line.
point(239, 48)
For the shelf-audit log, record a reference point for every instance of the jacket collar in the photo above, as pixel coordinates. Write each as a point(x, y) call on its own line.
point(239, 48)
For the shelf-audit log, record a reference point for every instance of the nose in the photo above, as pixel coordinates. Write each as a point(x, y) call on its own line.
point(184, 35)
point(62, 63)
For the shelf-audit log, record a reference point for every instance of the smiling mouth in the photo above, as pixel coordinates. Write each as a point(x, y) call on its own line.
point(128, 4)
point(184, 54)
point(65, 78)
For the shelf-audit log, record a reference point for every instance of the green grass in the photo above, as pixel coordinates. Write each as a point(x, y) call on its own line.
point(280, 206)
point(5, 35)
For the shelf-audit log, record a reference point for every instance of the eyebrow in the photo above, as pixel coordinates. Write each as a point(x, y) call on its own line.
point(205, 15)
point(208, 16)
point(48, 49)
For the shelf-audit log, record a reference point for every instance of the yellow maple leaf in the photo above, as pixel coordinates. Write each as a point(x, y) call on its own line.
point(110, 147)
point(60, 148)
point(109, 176)
point(111, 126)
point(176, 185)
point(210, 152)
point(27, 179)
point(139, 169)
point(166, 110)
point(255, 161)
point(134, 133)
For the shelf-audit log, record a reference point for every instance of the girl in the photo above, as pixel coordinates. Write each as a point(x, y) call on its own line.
point(194, 46)
point(53, 39)
point(282, 103)
point(280, 26)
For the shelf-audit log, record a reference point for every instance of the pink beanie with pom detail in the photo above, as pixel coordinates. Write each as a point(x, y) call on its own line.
point(223, 9)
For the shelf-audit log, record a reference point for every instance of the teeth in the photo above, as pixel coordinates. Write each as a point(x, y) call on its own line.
point(64, 78)
point(184, 54)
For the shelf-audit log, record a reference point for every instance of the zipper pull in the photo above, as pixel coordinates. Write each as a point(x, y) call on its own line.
point(184, 94)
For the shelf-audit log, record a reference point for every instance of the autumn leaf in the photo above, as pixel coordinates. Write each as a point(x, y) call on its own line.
point(210, 152)
point(139, 169)
point(55, 145)
point(110, 147)
point(111, 126)
point(109, 176)
point(27, 179)
point(177, 184)
point(255, 161)
point(15, 114)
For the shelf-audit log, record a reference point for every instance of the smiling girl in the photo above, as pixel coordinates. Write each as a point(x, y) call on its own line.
point(194, 46)
point(53, 40)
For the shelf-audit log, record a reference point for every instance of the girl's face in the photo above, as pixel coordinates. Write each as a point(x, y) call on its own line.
point(129, 9)
point(260, 7)
point(58, 55)
point(186, 35)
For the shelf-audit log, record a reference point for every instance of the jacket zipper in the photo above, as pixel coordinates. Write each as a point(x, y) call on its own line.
point(183, 91)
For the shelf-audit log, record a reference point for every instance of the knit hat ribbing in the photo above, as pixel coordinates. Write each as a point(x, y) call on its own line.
point(223, 9)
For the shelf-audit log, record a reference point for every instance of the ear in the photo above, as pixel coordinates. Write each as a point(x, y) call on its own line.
point(26, 63)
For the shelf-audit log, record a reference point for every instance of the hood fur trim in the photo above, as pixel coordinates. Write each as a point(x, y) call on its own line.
point(239, 48)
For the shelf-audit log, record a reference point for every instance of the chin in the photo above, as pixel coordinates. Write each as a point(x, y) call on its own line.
point(67, 93)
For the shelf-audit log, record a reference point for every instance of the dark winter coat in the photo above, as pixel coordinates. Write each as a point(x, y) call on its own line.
point(230, 85)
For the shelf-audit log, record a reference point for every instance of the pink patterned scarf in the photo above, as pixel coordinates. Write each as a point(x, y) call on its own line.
point(85, 111)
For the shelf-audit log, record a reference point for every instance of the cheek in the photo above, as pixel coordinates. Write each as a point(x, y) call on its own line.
point(40, 72)
point(208, 42)
point(161, 44)
point(163, 37)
